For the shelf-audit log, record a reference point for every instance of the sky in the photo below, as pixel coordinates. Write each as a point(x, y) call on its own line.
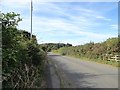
point(72, 22)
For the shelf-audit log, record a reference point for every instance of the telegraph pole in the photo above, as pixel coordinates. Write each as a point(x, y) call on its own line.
point(31, 17)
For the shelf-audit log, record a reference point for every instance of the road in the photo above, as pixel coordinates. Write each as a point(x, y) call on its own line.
point(84, 74)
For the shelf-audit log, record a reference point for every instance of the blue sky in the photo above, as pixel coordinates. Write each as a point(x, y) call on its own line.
point(67, 22)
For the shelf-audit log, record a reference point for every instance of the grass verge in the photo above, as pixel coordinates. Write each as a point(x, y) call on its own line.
point(111, 63)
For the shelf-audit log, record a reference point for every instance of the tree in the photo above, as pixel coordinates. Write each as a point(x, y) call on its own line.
point(22, 58)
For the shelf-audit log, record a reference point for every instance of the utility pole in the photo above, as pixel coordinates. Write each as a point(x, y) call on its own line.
point(31, 17)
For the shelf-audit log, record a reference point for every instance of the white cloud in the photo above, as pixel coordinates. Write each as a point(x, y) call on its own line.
point(52, 26)
point(77, 25)
point(103, 18)
point(114, 26)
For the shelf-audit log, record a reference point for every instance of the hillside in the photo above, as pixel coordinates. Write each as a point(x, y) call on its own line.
point(100, 52)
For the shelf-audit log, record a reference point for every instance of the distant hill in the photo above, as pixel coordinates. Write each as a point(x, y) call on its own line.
point(53, 46)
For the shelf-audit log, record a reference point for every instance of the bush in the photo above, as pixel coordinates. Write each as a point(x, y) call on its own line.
point(93, 51)
point(22, 58)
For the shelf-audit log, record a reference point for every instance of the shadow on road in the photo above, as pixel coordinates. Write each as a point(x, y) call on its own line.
point(79, 76)
point(52, 78)
point(48, 77)
point(78, 79)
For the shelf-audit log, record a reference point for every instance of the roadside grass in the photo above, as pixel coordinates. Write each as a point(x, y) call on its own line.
point(112, 63)
point(40, 81)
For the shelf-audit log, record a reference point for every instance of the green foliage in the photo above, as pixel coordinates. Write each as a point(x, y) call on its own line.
point(53, 46)
point(22, 57)
point(11, 19)
point(93, 51)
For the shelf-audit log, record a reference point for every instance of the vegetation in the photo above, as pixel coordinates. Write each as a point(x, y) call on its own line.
point(99, 52)
point(48, 47)
point(23, 59)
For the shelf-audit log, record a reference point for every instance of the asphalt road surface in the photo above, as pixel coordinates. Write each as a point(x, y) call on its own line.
point(85, 74)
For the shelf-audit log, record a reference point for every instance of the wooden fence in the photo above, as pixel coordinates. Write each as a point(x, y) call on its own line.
point(115, 58)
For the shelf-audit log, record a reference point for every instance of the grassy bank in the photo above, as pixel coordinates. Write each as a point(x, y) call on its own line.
point(98, 52)
point(111, 63)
